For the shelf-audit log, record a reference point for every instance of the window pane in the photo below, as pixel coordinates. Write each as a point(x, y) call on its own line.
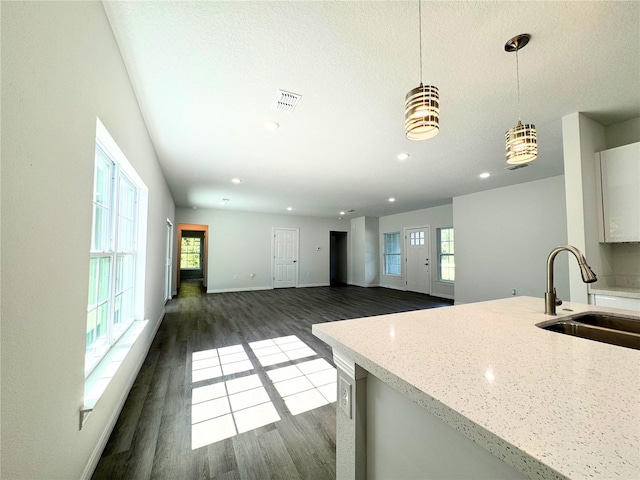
point(102, 181)
point(126, 215)
point(93, 282)
point(91, 328)
point(104, 279)
point(446, 266)
point(101, 235)
point(190, 253)
point(101, 322)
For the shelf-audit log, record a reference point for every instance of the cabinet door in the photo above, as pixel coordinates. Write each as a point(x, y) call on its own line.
point(620, 193)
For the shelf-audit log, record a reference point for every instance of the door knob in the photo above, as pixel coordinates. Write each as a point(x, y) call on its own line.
point(295, 261)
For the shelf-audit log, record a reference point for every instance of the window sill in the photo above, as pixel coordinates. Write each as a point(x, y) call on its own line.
point(445, 283)
point(393, 275)
point(98, 380)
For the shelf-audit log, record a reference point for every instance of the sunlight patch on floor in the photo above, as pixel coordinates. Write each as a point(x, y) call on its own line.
point(306, 385)
point(280, 350)
point(218, 362)
point(227, 408)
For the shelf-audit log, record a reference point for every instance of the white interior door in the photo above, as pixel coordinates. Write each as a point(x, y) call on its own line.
point(285, 257)
point(169, 262)
point(417, 259)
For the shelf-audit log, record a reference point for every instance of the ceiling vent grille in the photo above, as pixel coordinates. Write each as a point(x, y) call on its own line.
point(285, 101)
point(516, 167)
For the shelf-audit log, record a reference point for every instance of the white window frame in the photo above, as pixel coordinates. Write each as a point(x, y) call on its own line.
point(441, 255)
point(386, 254)
point(134, 224)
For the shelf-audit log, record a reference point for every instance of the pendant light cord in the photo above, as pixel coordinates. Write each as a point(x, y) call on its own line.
point(420, 30)
point(518, 81)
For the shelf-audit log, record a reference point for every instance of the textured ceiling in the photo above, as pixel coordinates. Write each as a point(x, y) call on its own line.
point(206, 74)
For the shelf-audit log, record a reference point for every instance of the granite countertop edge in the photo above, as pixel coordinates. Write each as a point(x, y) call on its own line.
point(512, 450)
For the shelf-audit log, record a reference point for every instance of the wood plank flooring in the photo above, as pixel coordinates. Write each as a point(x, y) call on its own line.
point(152, 437)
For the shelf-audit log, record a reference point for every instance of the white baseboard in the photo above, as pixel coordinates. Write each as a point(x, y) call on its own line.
point(306, 285)
point(239, 289)
point(394, 287)
point(365, 285)
point(443, 295)
point(104, 438)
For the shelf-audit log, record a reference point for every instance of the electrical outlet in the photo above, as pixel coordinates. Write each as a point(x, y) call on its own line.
point(344, 396)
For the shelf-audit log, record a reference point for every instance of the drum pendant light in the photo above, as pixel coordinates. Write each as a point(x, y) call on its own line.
point(422, 104)
point(521, 141)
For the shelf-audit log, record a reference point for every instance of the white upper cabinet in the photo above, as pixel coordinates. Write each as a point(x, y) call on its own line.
point(618, 185)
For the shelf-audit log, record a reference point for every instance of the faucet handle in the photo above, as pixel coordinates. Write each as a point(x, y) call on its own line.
point(558, 301)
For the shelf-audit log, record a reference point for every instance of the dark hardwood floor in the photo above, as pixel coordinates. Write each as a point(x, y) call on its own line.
point(153, 435)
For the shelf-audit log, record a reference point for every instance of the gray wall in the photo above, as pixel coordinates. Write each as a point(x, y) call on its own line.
point(503, 238)
point(61, 68)
point(436, 217)
point(240, 244)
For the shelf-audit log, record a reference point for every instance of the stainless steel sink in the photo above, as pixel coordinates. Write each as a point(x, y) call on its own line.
point(601, 327)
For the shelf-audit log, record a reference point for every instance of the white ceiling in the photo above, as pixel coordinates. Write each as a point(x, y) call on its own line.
point(206, 74)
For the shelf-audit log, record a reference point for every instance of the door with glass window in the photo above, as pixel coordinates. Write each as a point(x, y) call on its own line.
point(191, 255)
point(417, 260)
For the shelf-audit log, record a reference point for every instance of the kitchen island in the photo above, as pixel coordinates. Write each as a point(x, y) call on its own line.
point(500, 391)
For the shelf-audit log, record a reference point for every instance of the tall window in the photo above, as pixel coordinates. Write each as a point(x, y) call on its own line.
point(190, 253)
point(446, 263)
point(114, 241)
point(392, 253)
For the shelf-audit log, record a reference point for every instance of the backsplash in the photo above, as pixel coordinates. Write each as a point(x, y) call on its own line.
point(621, 281)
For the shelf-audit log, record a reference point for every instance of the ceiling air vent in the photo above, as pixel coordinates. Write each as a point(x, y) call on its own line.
point(285, 101)
point(516, 167)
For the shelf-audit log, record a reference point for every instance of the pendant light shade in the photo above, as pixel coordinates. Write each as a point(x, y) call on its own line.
point(522, 144)
point(422, 104)
point(422, 112)
point(521, 141)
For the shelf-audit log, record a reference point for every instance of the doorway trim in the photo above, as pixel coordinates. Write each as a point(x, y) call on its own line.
point(205, 254)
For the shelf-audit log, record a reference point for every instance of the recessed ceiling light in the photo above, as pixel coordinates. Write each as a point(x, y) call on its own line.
point(271, 125)
point(342, 213)
point(392, 199)
point(485, 175)
point(289, 208)
point(402, 156)
point(236, 180)
point(224, 201)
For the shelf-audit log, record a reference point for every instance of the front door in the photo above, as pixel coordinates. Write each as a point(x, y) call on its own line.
point(417, 259)
point(285, 257)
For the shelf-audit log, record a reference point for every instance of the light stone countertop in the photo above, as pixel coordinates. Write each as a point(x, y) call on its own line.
point(548, 404)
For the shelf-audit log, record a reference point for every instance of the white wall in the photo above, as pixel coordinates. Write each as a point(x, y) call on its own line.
point(61, 68)
point(582, 137)
point(503, 238)
point(625, 257)
point(623, 133)
point(240, 244)
point(363, 252)
point(436, 217)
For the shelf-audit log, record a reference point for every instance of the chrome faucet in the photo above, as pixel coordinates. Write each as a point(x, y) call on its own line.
point(550, 298)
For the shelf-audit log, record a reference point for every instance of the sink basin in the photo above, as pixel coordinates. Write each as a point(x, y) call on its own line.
point(601, 327)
